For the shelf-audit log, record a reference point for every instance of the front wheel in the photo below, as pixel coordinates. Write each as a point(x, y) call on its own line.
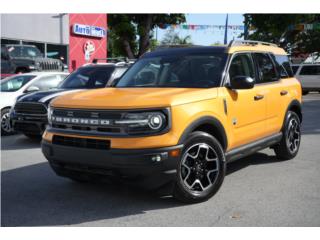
point(6, 128)
point(289, 145)
point(201, 169)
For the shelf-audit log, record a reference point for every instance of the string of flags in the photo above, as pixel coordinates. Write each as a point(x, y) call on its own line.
point(201, 27)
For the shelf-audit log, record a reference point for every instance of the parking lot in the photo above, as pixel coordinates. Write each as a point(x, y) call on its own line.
point(257, 191)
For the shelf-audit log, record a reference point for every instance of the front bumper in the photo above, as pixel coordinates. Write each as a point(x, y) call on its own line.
point(29, 124)
point(139, 166)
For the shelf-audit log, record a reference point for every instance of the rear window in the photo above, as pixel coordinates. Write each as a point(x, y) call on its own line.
point(283, 66)
point(310, 70)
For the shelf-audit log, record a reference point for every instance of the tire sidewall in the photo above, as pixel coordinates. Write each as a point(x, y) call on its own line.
point(5, 133)
point(201, 137)
point(291, 115)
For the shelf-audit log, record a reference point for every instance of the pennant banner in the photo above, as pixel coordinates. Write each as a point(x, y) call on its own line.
point(201, 27)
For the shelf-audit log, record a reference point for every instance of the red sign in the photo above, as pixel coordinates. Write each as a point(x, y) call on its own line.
point(78, 44)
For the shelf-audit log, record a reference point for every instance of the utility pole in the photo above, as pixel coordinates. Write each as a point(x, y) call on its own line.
point(226, 32)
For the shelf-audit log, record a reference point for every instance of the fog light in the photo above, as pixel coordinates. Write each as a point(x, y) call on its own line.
point(156, 158)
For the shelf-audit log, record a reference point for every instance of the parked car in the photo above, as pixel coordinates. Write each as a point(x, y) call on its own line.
point(29, 115)
point(309, 77)
point(15, 86)
point(176, 117)
point(26, 58)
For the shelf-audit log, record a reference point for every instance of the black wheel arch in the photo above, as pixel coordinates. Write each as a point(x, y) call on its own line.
point(294, 106)
point(210, 125)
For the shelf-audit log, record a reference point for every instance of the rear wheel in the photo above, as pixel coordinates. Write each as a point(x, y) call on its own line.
point(6, 128)
point(201, 169)
point(289, 145)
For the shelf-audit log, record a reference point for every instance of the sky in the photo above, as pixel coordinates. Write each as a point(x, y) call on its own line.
point(206, 37)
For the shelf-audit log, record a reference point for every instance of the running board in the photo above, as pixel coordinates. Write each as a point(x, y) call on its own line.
point(253, 147)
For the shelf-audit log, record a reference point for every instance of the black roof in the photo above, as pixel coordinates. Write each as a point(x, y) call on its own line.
point(186, 50)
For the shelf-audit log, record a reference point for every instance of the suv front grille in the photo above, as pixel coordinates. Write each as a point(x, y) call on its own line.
point(95, 115)
point(81, 142)
point(30, 108)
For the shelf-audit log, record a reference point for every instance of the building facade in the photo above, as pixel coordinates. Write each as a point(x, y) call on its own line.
point(73, 38)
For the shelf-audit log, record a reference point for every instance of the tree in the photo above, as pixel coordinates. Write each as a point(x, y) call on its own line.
point(130, 34)
point(173, 38)
point(277, 28)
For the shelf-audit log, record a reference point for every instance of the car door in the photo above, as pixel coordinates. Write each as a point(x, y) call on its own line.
point(247, 107)
point(269, 77)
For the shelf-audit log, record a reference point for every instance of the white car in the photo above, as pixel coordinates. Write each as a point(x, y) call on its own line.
point(15, 86)
point(309, 77)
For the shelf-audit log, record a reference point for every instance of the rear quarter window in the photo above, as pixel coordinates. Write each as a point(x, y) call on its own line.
point(283, 66)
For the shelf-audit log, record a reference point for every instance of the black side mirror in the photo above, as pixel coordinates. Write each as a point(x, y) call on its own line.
point(241, 82)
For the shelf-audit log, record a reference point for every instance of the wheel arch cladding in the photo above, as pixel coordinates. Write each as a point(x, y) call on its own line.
point(209, 125)
point(295, 106)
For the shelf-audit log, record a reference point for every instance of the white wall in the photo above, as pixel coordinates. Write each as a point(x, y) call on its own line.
point(36, 27)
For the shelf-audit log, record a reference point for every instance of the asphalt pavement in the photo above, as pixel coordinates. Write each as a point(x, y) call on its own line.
point(257, 191)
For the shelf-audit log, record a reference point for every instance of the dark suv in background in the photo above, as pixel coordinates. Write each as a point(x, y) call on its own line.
point(29, 114)
point(17, 58)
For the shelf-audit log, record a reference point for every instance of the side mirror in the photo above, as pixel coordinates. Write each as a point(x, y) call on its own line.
point(32, 89)
point(241, 82)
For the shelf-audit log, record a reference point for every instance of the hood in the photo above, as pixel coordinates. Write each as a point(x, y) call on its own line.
point(130, 98)
point(45, 96)
point(7, 99)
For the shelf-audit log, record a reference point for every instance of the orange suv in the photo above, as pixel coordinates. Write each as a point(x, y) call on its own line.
point(177, 117)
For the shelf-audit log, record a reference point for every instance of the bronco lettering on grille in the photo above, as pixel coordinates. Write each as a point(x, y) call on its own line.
point(85, 121)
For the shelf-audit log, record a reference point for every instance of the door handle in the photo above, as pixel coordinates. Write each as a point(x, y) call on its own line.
point(283, 92)
point(258, 97)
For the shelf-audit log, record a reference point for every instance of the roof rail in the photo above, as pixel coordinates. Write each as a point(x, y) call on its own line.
point(250, 42)
point(114, 60)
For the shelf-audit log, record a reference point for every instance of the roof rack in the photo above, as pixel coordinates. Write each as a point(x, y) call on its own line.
point(250, 42)
point(114, 60)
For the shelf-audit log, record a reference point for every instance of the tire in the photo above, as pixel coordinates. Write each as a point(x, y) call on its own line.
point(194, 167)
point(6, 128)
point(305, 92)
point(289, 145)
point(33, 136)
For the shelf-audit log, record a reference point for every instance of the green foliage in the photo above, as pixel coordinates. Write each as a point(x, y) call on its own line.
point(173, 38)
point(130, 35)
point(275, 28)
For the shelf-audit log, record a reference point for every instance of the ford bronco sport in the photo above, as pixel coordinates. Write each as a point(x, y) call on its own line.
point(177, 116)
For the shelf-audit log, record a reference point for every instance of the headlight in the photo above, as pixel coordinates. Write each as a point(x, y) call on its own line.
point(50, 111)
point(144, 122)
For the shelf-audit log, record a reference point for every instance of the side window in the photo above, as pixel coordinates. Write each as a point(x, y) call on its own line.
point(267, 70)
point(310, 70)
point(283, 65)
point(242, 65)
point(46, 83)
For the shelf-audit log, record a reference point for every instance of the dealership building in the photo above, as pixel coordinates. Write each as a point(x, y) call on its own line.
point(73, 38)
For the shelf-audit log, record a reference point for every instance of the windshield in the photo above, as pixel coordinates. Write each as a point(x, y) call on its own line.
point(88, 77)
point(189, 71)
point(24, 52)
point(13, 84)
